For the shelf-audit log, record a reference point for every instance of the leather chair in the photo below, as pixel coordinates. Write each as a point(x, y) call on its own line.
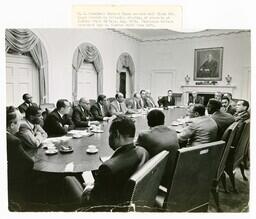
point(228, 137)
point(191, 178)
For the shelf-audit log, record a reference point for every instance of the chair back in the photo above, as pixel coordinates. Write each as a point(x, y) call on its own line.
point(228, 137)
point(192, 177)
point(242, 144)
point(142, 187)
point(47, 106)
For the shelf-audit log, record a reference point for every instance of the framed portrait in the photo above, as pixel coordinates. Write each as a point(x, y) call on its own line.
point(208, 64)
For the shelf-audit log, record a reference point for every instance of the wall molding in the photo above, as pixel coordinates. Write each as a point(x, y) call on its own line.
point(168, 38)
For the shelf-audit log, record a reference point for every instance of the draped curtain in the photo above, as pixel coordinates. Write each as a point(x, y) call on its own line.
point(125, 61)
point(87, 53)
point(24, 40)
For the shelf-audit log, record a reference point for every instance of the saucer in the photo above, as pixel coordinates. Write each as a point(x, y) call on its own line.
point(77, 136)
point(174, 123)
point(51, 151)
point(97, 131)
point(92, 151)
point(66, 149)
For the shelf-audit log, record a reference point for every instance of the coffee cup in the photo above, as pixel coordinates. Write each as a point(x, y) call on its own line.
point(92, 147)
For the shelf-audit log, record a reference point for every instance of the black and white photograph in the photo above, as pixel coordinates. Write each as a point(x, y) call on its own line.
point(112, 120)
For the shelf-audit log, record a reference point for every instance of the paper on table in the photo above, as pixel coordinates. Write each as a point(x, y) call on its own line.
point(56, 139)
point(88, 177)
point(69, 167)
point(79, 132)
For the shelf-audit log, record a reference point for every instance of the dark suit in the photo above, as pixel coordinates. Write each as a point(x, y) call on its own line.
point(223, 120)
point(23, 107)
point(157, 139)
point(19, 168)
point(164, 101)
point(112, 175)
point(97, 113)
point(231, 110)
point(81, 116)
point(197, 100)
point(54, 124)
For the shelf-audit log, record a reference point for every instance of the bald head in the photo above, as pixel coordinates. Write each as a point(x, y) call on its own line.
point(84, 102)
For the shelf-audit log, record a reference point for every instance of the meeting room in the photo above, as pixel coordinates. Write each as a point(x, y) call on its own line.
point(128, 120)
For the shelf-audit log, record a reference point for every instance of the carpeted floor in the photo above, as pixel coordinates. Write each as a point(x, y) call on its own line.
point(233, 202)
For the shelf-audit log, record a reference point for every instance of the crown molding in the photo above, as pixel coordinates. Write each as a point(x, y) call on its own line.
point(197, 35)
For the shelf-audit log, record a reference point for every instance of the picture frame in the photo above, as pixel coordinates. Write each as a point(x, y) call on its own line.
point(208, 64)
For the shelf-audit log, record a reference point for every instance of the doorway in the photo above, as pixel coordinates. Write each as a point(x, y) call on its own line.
point(122, 85)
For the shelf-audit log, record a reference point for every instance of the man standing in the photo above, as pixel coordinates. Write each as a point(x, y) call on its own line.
point(27, 103)
point(58, 122)
point(222, 119)
point(202, 128)
point(81, 114)
point(168, 100)
point(242, 113)
point(118, 107)
point(30, 132)
point(226, 106)
point(99, 109)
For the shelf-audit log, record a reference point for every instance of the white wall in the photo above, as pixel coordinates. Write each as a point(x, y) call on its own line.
point(60, 45)
point(178, 56)
point(174, 55)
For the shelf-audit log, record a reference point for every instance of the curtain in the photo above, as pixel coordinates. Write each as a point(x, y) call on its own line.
point(24, 40)
point(87, 53)
point(125, 60)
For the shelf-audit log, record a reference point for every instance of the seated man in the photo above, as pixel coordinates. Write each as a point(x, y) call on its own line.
point(195, 99)
point(149, 101)
point(81, 114)
point(135, 103)
point(118, 107)
point(30, 132)
point(226, 106)
point(222, 119)
point(99, 110)
point(167, 100)
point(58, 122)
point(111, 177)
point(242, 113)
point(218, 96)
point(19, 164)
point(202, 128)
point(159, 137)
point(27, 102)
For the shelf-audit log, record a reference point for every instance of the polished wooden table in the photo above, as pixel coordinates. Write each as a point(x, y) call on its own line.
point(79, 160)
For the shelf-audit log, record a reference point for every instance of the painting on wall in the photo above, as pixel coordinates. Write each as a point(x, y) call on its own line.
point(208, 64)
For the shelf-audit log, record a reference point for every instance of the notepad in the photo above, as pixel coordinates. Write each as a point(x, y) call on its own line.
point(88, 178)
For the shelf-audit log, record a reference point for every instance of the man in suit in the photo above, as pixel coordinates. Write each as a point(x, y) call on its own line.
point(59, 122)
point(19, 164)
point(149, 101)
point(30, 132)
point(222, 119)
point(226, 106)
point(143, 98)
point(195, 99)
point(159, 137)
point(81, 114)
point(167, 100)
point(27, 102)
point(99, 110)
point(112, 176)
point(209, 68)
point(118, 107)
point(135, 103)
point(201, 130)
point(242, 113)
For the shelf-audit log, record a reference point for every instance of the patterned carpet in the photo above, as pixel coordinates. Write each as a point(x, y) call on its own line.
point(233, 202)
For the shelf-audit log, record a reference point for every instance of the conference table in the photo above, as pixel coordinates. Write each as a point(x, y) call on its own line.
point(79, 160)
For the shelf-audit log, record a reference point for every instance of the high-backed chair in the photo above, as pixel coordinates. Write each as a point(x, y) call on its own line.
point(141, 188)
point(228, 137)
point(236, 154)
point(46, 109)
point(191, 178)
